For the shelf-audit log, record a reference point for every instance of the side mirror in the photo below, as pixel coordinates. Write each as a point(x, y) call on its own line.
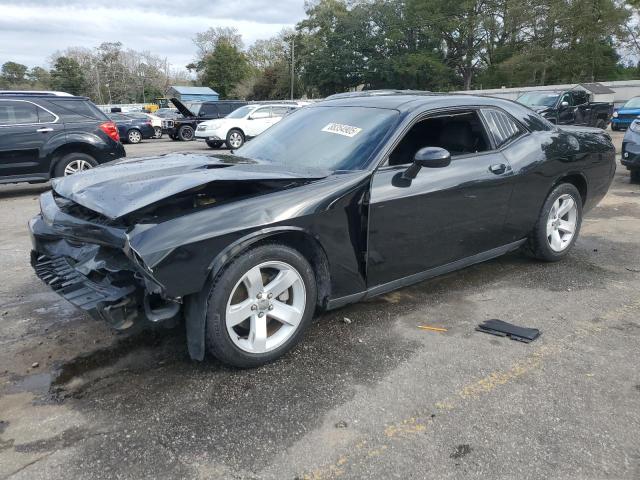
point(564, 104)
point(428, 157)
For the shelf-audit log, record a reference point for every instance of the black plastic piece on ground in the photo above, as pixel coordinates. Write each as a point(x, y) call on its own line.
point(504, 329)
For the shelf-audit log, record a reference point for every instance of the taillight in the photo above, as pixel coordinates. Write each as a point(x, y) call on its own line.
point(111, 130)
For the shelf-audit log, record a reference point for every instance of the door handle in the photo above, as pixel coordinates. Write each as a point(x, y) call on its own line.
point(44, 130)
point(498, 168)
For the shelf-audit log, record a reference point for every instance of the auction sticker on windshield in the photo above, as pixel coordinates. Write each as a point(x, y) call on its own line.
point(340, 129)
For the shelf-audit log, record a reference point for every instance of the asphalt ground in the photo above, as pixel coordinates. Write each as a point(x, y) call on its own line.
point(373, 396)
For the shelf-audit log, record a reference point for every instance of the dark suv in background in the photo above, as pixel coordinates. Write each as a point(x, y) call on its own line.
point(184, 128)
point(52, 134)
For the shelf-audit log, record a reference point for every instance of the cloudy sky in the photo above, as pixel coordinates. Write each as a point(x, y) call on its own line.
point(31, 30)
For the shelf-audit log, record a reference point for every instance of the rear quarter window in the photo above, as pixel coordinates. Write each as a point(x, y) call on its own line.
point(75, 111)
point(502, 126)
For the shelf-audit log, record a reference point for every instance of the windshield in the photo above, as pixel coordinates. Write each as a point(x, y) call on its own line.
point(332, 138)
point(539, 99)
point(633, 103)
point(240, 112)
point(194, 107)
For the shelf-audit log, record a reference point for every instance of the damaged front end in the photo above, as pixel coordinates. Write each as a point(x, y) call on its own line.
point(85, 257)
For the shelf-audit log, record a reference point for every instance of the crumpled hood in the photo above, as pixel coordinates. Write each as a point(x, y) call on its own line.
point(122, 187)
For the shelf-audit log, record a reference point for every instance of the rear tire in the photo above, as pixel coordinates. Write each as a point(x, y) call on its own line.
point(185, 133)
point(157, 132)
point(635, 176)
point(73, 163)
point(253, 335)
point(558, 225)
point(600, 123)
point(134, 136)
point(614, 127)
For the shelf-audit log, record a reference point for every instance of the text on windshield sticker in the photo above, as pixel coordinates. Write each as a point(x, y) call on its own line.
point(340, 129)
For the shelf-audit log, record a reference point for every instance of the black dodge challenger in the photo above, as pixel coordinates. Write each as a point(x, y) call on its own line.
point(342, 200)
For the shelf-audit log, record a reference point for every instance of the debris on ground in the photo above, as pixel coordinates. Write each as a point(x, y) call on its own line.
point(635, 270)
point(461, 451)
point(341, 424)
point(346, 320)
point(35, 365)
point(504, 329)
point(432, 329)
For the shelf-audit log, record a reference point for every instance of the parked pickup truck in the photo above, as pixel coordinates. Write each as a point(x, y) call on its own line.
point(184, 127)
point(569, 107)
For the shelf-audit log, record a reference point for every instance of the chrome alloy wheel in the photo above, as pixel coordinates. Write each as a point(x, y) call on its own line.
point(76, 166)
point(562, 222)
point(235, 139)
point(134, 136)
point(265, 307)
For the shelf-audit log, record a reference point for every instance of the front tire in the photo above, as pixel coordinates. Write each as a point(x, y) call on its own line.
point(185, 133)
point(558, 225)
point(614, 127)
point(214, 143)
point(235, 139)
point(635, 176)
point(157, 132)
point(260, 306)
point(74, 163)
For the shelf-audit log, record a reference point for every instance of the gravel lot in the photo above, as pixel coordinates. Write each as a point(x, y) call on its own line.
point(372, 398)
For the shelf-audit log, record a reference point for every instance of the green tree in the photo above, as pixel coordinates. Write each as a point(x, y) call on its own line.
point(39, 78)
point(13, 73)
point(67, 76)
point(224, 68)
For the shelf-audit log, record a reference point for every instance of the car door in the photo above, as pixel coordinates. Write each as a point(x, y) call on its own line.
point(258, 121)
point(25, 128)
point(566, 114)
point(440, 216)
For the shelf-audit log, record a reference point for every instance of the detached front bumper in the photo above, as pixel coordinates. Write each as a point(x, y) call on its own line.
point(88, 265)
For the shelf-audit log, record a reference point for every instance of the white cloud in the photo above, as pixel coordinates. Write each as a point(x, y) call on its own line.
point(30, 31)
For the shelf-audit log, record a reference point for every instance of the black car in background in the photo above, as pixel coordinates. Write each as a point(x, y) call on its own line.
point(569, 107)
point(133, 129)
point(183, 128)
point(52, 134)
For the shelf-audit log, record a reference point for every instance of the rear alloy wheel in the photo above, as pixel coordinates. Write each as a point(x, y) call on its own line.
point(559, 223)
point(157, 132)
point(134, 136)
point(235, 139)
point(185, 133)
point(74, 163)
point(260, 306)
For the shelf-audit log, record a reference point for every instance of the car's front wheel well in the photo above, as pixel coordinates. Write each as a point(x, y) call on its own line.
point(67, 148)
point(577, 181)
point(311, 249)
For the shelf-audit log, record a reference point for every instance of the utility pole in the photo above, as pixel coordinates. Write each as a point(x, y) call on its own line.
point(293, 46)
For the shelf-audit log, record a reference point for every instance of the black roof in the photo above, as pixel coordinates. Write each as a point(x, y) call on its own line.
point(409, 100)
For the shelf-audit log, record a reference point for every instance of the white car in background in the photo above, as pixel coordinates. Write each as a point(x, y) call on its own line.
point(242, 124)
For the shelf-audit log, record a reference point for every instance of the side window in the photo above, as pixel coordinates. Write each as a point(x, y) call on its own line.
point(45, 116)
point(580, 98)
point(279, 111)
point(16, 113)
point(567, 98)
point(460, 132)
point(264, 112)
point(503, 127)
point(208, 109)
point(74, 111)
